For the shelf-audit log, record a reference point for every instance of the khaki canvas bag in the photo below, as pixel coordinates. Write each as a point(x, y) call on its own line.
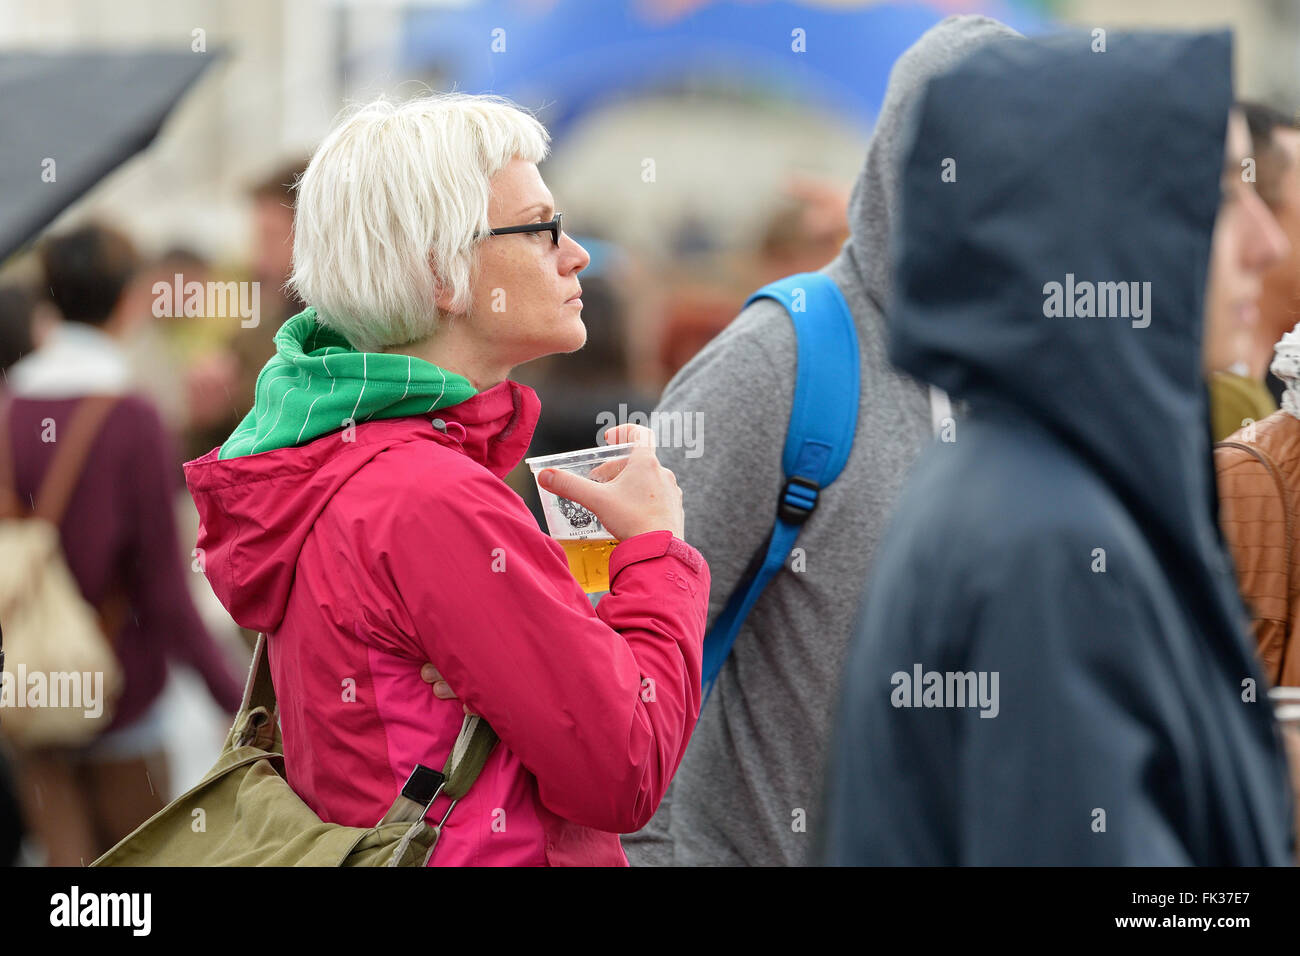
point(53, 640)
point(244, 813)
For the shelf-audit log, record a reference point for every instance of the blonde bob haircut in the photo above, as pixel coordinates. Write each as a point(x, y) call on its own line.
point(390, 205)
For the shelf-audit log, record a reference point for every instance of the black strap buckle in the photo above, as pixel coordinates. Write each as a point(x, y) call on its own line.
point(423, 785)
point(418, 793)
point(798, 500)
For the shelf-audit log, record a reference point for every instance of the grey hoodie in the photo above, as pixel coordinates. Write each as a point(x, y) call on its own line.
point(751, 778)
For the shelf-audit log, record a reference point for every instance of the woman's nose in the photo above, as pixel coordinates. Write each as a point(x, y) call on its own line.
point(573, 258)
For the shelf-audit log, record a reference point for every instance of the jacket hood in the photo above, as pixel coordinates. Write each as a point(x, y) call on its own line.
point(1076, 168)
point(873, 205)
point(255, 511)
point(317, 383)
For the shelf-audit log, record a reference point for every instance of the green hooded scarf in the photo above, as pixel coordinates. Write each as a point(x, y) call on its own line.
point(317, 383)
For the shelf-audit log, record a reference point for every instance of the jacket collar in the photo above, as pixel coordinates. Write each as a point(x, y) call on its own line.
point(494, 427)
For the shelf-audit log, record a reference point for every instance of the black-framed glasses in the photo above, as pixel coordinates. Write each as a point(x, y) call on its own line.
point(554, 227)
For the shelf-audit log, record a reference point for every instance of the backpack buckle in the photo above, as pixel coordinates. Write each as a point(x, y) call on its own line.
point(798, 500)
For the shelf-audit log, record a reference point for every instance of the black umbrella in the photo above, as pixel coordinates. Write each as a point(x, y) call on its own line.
point(69, 119)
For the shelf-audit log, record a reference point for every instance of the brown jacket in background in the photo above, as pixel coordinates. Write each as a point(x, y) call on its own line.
point(1259, 481)
point(1258, 470)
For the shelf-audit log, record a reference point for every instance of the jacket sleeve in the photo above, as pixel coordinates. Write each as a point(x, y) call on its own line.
point(598, 704)
point(160, 594)
point(1084, 762)
point(1253, 517)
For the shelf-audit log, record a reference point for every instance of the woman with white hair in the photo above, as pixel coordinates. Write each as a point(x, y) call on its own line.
point(358, 516)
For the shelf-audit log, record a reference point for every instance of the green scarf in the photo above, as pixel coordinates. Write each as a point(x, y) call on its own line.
point(317, 383)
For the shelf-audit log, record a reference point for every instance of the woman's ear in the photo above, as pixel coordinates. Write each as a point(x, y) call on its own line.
point(442, 295)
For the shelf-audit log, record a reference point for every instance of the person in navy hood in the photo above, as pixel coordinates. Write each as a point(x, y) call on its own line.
point(1051, 663)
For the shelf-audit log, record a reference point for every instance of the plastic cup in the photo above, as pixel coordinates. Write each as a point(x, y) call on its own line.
point(584, 539)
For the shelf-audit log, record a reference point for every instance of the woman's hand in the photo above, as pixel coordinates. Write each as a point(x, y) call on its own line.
point(441, 689)
point(643, 495)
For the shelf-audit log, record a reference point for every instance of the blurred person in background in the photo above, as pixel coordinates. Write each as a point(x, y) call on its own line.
point(1276, 140)
point(220, 379)
point(119, 535)
point(751, 776)
point(205, 385)
point(358, 516)
point(806, 230)
point(1051, 664)
point(1258, 470)
point(17, 325)
point(696, 312)
point(152, 348)
point(273, 200)
point(1258, 464)
point(1240, 392)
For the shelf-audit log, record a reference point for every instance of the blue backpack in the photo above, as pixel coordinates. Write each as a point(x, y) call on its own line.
point(823, 420)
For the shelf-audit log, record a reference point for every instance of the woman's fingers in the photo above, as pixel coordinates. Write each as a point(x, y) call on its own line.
point(622, 434)
point(441, 689)
point(608, 470)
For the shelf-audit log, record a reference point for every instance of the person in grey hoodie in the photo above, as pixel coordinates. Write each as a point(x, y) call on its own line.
point(750, 779)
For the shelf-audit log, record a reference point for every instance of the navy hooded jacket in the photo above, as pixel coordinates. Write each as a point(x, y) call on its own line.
point(1065, 544)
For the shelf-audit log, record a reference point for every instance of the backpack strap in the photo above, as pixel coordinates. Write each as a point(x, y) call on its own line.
point(10, 505)
point(61, 477)
point(65, 468)
point(68, 464)
point(823, 421)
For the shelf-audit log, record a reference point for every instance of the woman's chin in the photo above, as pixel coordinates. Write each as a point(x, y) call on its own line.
point(565, 340)
point(574, 337)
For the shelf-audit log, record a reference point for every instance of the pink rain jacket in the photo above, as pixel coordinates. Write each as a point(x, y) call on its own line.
point(362, 559)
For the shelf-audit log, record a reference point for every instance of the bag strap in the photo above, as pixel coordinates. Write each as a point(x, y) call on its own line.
point(1271, 467)
point(464, 764)
point(60, 480)
point(65, 468)
point(10, 506)
point(823, 421)
point(258, 689)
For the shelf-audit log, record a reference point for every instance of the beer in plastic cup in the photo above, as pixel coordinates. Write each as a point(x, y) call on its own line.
point(584, 539)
